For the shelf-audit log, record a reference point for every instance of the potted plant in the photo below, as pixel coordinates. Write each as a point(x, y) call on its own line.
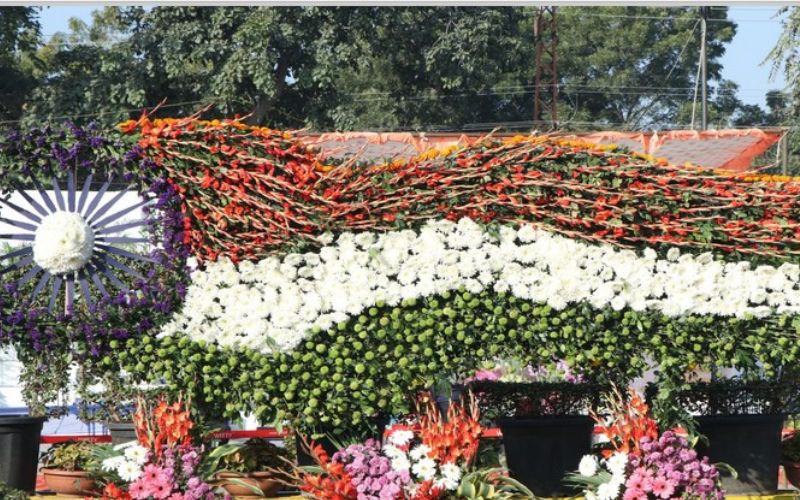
point(66, 468)
point(544, 409)
point(635, 460)
point(44, 378)
point(790, 458)
point(246, 472)
point(740, 424)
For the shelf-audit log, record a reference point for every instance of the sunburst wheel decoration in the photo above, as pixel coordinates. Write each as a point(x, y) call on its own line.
point(75, 242)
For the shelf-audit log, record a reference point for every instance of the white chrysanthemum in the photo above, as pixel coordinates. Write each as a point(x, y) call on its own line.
point(129, 471)
point(275, 303)
point(588, 466)
point(63, 242)
point(425, 469)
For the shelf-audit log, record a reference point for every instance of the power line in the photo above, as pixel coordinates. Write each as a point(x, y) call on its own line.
point(503, 89)
point(675, 18)
point(103, 113)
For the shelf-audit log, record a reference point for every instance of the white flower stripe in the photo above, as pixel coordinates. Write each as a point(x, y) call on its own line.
point(276, 303)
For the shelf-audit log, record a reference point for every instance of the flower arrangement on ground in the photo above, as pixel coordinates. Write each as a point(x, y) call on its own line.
point(164, 463)
point(427, 459)
point(638, 463)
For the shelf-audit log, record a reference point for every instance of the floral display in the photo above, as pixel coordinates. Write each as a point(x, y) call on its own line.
point(365, 282)
point(425, 460)
point(119, 291)
point(371, 473)
point(639, 464)
point(669, 468)
point(275, 303)
point(627, 422)
point(273, 195)
point(438, 452)
point(164, 463)
point(129, 463)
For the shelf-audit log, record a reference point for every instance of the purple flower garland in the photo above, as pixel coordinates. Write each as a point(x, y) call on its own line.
point(90, 334)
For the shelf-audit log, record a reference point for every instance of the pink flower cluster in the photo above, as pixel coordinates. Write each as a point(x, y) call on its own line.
point(371, 472)
point(173, 478)
point(669, 469)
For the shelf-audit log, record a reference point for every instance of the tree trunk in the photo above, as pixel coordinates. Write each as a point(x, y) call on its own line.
point(265, 104)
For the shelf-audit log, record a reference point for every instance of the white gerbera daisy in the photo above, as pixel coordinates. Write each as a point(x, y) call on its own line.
point(588, 466)
point(129, 471)
point(425, 469)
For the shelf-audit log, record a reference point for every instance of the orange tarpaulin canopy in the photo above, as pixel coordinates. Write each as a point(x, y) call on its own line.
point(732, 150)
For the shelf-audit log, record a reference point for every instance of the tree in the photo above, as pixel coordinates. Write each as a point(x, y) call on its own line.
point(376, 67)
point(424, 68)
point(785, 56)
point(634, 66)
point(90, 73)
point(19, 33)
point(269, 62)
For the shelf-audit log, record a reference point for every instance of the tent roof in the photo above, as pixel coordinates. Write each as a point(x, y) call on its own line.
point(723, 149)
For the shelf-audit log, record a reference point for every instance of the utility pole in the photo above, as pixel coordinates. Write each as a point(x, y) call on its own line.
point(703, 61)
point(546, 73)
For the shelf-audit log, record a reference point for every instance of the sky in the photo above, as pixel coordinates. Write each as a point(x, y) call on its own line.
point(757, 32)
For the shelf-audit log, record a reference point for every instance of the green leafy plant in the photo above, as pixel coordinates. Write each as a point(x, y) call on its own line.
point(255, 455)
point(70, 456)
point(492, 484)
point(9, 493)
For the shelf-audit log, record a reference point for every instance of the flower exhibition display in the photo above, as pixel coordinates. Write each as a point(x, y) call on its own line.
point(324, 294)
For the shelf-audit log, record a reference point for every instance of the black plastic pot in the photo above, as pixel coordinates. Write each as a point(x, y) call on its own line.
point(121, 432)
point(540, 451)
point(751, 444)
point(19, 450)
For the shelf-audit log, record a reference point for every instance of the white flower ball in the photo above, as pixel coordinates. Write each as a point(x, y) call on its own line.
point(63, 242)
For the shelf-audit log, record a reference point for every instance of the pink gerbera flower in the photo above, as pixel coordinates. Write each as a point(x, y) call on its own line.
point(137, 490)
point(635, 482)
point(161, 490)
point(662, 487)
point(151, 473)
point(634, 494)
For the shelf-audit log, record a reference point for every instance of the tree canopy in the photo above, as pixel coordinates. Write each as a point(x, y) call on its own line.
point(387, 68)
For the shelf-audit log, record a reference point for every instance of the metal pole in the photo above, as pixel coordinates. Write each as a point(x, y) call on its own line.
point(703, 60)
point(553, 58)
point(537, 82)
point(784, 149)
